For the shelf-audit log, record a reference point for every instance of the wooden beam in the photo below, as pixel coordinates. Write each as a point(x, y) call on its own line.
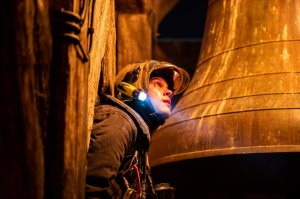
point(25, 64)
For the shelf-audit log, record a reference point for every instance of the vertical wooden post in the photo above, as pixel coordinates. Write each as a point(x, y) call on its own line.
point(44, 98)
point(66, 137)
point(134, 31)
point(102, 54)
point(24, 72)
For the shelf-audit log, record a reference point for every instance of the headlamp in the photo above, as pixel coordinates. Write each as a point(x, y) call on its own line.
point(131, 91)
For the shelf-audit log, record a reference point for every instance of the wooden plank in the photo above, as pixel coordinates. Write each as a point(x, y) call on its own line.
point(65, 143)
point(134, 38)
point(102, 55)
point(25, 58)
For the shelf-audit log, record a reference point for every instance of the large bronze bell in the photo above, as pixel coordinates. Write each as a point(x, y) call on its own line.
point(244, 99)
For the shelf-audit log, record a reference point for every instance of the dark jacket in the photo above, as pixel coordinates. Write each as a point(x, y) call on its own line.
point(117, 132)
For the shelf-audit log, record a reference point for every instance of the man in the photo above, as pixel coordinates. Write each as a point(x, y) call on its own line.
point(117, 158)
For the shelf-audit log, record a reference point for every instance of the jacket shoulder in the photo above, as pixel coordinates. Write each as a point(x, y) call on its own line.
point(138, 120)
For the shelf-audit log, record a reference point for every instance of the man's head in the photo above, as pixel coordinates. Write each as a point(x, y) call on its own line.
point(160, 80)
point(160, 95)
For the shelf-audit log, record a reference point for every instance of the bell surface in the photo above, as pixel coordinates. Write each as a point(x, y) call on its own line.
point(243, 102)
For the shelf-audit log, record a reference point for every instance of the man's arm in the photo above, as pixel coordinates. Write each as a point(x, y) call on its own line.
point(112, 135)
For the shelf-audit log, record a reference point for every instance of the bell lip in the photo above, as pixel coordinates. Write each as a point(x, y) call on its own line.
point(156, 162)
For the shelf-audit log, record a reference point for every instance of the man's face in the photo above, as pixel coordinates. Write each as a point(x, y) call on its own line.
point(160, 96)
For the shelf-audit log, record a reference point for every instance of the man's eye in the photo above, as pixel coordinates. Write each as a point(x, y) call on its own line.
point(157, 84)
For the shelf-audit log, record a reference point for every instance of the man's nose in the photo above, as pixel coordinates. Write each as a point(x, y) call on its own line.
point(168, 93)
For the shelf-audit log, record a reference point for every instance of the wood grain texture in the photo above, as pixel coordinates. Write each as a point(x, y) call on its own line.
point(66, 137)
point(134, 38)
point(102, 68)
point(25, 64)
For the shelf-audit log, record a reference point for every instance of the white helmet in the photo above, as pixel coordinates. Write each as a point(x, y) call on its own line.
point(139, 74)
